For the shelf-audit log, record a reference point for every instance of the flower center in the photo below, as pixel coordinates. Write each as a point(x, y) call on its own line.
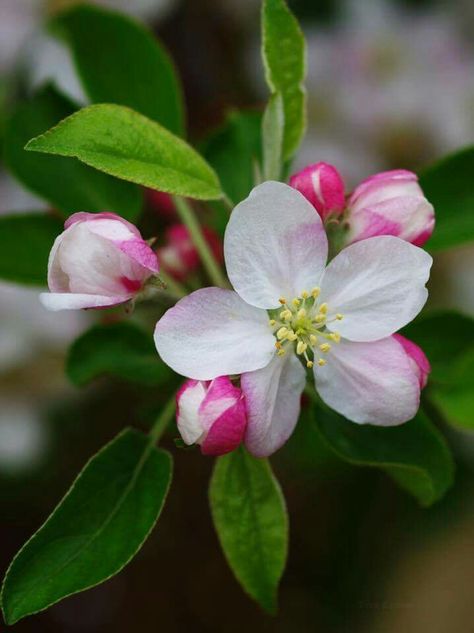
point(300, 324)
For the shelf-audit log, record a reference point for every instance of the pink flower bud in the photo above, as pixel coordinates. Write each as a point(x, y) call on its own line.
point(390, 203)
point(161, 203)
point(421, 365)
point(100, 260)
point(323, 186)
point(211, 414)
point(179, 256)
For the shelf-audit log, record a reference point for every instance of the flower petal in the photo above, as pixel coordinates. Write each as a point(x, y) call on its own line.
point(226, 431)
point(213, 332)
point(274, 245)
point(55, 301)
point(370, 383)
point(188, 400)
point(378, 285)
point(273, 397)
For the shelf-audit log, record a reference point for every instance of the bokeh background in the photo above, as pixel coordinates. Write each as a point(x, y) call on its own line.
point(391, 84)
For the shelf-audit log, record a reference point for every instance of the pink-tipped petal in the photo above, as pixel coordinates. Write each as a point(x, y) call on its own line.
point(188, 400)
point(213, 332)
point(369, 383)
point(378, 285)
point(228, 430)
point(322, 185)
point(417, 356)
point(273, 397)
point(275, 245)
point(83, 216)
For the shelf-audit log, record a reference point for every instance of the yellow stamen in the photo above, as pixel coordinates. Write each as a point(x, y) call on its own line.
point(315, 292)
point(313, 339)
point(305, 294)
point(291, 336)
point(321, 362)
point(272, 322)
point(301, 347)
point(282, 332)
point(335, 336)
point(282, 300)
point(309, 364)
point(323, 308)
point(281, 352)
point(325, 347)
point(285, 315)
point(319, 318)
point(339, 316)
point(278, 344)
point(296, 302)
point(301, 313)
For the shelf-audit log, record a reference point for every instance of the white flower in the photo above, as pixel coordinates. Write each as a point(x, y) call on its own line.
point(288, 307)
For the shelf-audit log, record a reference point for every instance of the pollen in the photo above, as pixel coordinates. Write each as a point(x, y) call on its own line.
point(323, 308)
point(282, 300)
point(319, 318)
point(305, 294)
point(296, 302)
point(339, 316)
point(313, 339)
point(282, 332)
point(325, 347)
point(335, 336)
point(309, 364)
point(281, 352)
point(272, 322)
point(321, 362)
point(315, 292)
point(301, 347)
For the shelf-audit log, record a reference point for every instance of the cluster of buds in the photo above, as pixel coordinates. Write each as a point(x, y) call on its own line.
point(388, 203)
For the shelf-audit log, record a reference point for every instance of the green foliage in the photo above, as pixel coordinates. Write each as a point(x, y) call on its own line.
point(125, 144)
point(454, 396)
point(250, 517)
point(448, 186)
point(25, 242)
point(284, 58)
point(119, 61)
point(67, 185)
point(96, 529)
point(444, 337)
point(118, 349)
point(414, 454)
point(234, 150)
point(272, 137)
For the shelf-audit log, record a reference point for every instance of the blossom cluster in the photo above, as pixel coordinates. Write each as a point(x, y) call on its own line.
point(248, 352)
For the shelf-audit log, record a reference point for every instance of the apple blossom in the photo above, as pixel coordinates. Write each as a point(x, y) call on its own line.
point(100, 260)
point(211, 414)
point(287, 307)
point(179, 256)
point(419, 362)
point(388, 203)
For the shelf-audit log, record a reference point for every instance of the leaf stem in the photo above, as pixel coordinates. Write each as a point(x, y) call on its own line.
point(189, 219)
point(163, 420)
point(227, 202)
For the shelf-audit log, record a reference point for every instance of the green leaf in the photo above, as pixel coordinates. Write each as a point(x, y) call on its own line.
point(444, 337)
point(448, 186)
point(284, 58)
point(96, 529)
point(272, 137)
point(25, 242)
point(119, 61)
point(414, 454)
point(119, 349)
point(125, 144)
point(454, 397)
point(234, 150)
point(67, 185)
point(250, 517)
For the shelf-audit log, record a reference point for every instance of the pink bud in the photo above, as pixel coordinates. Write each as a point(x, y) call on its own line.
point(100, 260)
point(162, 203)
point(420, 363)
point(211, 414)
point(179, 256)
point(323, 186)
point(390, 203)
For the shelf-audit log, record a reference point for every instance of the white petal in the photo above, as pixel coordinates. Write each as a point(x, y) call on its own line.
point(275, 245)
point(189, 398)
point(369, 383)
point(272, 396)
point(378, 285)
point(55, 301)
point(213, 332)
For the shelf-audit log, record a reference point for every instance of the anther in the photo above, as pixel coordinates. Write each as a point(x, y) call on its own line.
point(339, 316)
point(296, 302)
point(291, 336)
point(309, 364)
point(285, 315)
point(301, 347)
point(301, 313)
point(325, 347)
point(315, 292)
point(335, 336)
point(323, 308)
point(272, 322)
point(282, 300)
point(321, 362)
point(304, 294)
point(278, 344)
point(281, 352)
point(282, 332)
point(319, 318)
point(313, 339)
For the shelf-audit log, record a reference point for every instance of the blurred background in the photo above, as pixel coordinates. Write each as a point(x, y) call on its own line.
point(391, 84)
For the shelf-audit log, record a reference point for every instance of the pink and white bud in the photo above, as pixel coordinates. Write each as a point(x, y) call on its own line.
point(323, 186)
point(179, 256)
point(211, 414)
point(390, 203)
point(420, 364)
point(100, 260)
